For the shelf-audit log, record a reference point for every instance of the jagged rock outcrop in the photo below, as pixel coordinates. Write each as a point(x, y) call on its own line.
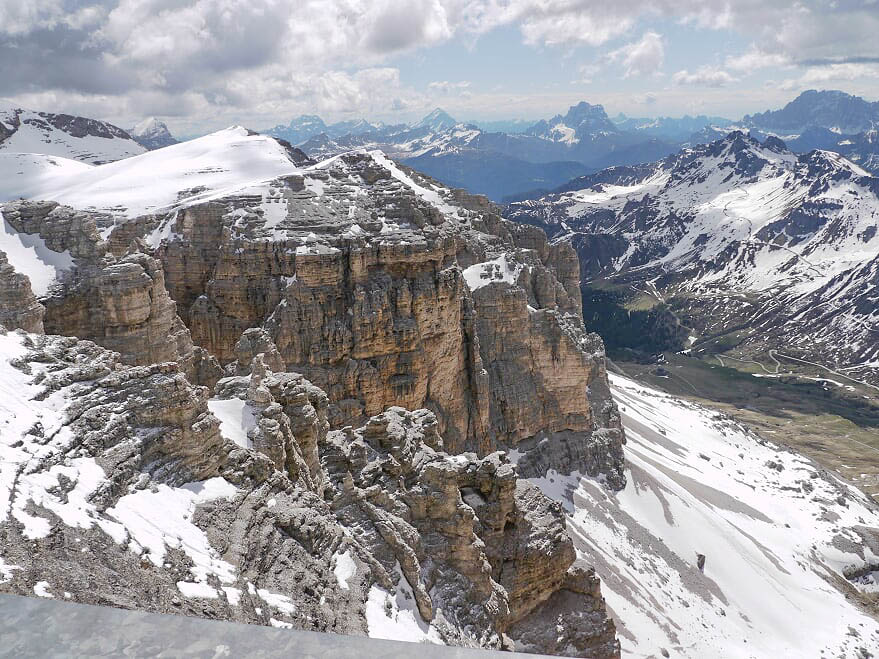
point(137, 501)
point(136, 480)
point(253, 342)
point(123, 305)
point(19, 308)
point(480, 550)
point(120, 303)
point(287, 418)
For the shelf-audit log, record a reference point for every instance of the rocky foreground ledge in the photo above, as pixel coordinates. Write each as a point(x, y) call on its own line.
point(120, 489)
point(310, 401)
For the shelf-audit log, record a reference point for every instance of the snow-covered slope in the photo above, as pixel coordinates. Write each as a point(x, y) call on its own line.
point(77, 138)
point(737, 219)
point(158, 181)
point(786, 545)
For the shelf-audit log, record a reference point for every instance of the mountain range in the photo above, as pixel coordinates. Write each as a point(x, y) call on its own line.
point(329, 392)
point(87, 140)
point(524, 161)
point(747, 243)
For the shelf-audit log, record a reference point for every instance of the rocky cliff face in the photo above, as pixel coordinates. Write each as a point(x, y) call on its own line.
point(394, 356)
point(19, 308)
point(359, 280)
point(121, 304)
point(347, 531)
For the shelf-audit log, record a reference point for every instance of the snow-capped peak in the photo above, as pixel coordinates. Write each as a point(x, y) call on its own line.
point(79, 138)
point(180, 174)
point(740, 219)
point(437, 120)
point(149, 127)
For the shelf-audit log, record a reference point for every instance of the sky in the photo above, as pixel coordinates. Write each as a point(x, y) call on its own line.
point(204, 64)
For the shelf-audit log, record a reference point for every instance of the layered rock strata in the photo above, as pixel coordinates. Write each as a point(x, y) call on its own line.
point(319, 530)
point(19, 308)
point(120, 303)
point(395, 356)
point(121, 491)
point(356, 271)
point(481, 551)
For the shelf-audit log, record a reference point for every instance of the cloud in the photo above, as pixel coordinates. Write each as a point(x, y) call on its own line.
point(755, 59)
point(829, 75)
point(587, 73)
point(395, 26)
point(643, 57)
point(253, 58)
point(704, 76)
point(447, 87)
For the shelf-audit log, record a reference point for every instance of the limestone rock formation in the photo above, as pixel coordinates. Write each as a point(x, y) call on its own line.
point(125, 469)
point(482, 552)
point(122, 491)
point(120, 303)
point(368, 280)
point(385, 361)
point(287, 419)
point(19, 308)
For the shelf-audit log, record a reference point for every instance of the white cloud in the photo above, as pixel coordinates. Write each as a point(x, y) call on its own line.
point(831, 75)
point(587, 73)
point(249, 59)
point(642, 57)
point(704, 76)
point(448, 87)
point(754, 59)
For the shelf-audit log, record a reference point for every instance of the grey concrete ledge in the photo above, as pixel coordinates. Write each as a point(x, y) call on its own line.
point(35, 627)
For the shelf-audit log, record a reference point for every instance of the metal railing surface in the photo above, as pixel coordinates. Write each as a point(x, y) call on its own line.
point(37, 627)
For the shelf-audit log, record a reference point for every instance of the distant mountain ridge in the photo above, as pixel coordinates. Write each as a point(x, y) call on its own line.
point(497, 164)
point(79, 138)
point(152, 133)
point(738, 238)
point(581, 121)
point(835, 110)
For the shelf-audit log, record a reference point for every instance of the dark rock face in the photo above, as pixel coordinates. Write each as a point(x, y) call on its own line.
point(80, 126)
point(826, 109)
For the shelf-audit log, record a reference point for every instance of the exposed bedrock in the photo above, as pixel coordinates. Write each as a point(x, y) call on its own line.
point(377, 322)
point(482, 552)
point(19, 308)
point(304, 527)
point(120, 303)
